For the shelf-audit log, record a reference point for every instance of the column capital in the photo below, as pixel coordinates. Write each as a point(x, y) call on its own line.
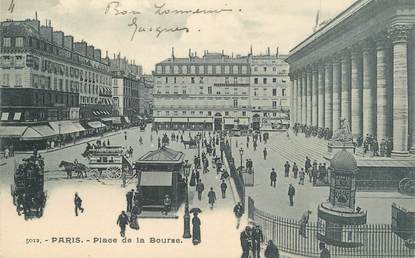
point(356, 49)
point(382, 40)
point(345, 55)
point(336, 58)
point(399, 32)
point(315, 67)
point(328, 61)
point(320, 66)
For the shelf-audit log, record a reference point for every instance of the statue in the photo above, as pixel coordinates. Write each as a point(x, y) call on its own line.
point(343, 135)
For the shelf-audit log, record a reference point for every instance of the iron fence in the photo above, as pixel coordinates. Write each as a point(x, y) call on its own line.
point(237, 177)
point(377, 240)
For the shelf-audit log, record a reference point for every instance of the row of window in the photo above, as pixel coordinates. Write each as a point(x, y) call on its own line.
point(184, 112)
point(265, 80)
point(19, 42)
point(274, 92)
point(202, 69)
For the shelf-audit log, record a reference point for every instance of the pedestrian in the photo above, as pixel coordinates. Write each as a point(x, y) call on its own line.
point(257, 239)
point(238, 210)
point(273, 177)
point(223, 188)
point(271, 251)
point(200, 187)
point(245, 238)
point(134, 220)
point(193, 178)
point(265, 153)
point(78, 204)
point(303, 223)
point(166, 204)
point(255, 145)
point(196, 238)
point(129, 196)
point(295, 170)
point(212, 198)
point(287, 168)
point(307, 164)
point(324, 252)
point(291, 193)
point(122, 221)
point(108, 142)
point(302, 176)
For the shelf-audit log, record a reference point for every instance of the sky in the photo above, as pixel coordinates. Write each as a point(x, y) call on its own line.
point(233, 26)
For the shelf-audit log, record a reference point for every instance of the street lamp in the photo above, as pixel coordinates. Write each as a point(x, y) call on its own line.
point(60, 136)
point(241, 152)
point(186, 217)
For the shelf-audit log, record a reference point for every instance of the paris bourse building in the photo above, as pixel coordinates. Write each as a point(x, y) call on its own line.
point(221, 92)
point(360, 66)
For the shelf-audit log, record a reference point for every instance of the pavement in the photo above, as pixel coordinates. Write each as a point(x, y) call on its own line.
point(60, 234)
point(294, 149)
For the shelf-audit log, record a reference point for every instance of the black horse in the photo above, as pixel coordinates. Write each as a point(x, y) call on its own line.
point(70, 167)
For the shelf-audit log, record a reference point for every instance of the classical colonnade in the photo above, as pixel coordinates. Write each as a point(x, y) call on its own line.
point(365, 83)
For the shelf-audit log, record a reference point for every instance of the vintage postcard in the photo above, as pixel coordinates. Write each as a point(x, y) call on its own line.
point(211, 129)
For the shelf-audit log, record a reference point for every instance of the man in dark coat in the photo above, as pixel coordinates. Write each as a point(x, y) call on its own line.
point(238, 210)
point(223, 188)
point(130, 196)
point(291, 193)
point(257, 239)
point(273, 177)
point(245, 238)
point(200, 187)
point(212, 198)
point(78, 204)
point(122, 221)
point(272, 250)
point(287, 168)
point(196, 238)
point(295, 170)
point(265, 153)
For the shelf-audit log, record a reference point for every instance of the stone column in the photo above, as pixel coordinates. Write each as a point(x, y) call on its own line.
point(384, 105)
point(345, 85)
point(314, 116)
point(399, 36)
point(369, 88)
point(292, 116)
point(321, 96)
point(300, 97)
point(357, 92)
point(411, 51)
point(336, 93)
point(294, 99)
point(304, 98)
point(309, 95)
point(328, 103)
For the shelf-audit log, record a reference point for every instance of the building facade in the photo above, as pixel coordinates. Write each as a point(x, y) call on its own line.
point(214, 92)
point(146, 99)
point(48, 83)
point(269, 91)
point(360, 67)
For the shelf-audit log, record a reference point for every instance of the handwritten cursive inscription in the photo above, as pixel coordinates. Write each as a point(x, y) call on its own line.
point(162, 10)
point(114, 8)
point(158, 30)
point(11, 6)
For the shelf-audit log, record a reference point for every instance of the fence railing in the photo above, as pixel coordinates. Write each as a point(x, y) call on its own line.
point(237, 177)
point(377, 240)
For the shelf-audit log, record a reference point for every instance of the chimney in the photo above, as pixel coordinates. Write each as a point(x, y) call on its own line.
point(222, 52)
point(269, 51)
point(36, 15)
point(172, 53)
point(250, 52)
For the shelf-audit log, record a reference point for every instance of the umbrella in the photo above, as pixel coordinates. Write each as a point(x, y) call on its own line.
point(195, 210)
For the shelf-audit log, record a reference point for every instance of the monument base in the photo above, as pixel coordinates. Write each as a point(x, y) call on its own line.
point(332, 149)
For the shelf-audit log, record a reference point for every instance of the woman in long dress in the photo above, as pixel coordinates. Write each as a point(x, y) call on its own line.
point(196, 229)
point(193, 178)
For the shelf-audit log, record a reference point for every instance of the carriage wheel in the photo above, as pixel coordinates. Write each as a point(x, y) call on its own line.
point(114, 172)
point(94, 173)
point(409, 187)
point(402, 183)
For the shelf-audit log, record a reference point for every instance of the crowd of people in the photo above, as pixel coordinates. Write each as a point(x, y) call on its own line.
point(315, 131)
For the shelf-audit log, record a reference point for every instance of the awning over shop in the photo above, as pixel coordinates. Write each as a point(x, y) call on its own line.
point(201, 120)
point(127, 120)
point(243, 121)
point(78, 126)
point(156, 178)
point(179, 119)
point(64, 127)
point(96, 124)
point(162, 119)
point(229, 120)
point(12, 131)
point(39, 132)
point(113, 120)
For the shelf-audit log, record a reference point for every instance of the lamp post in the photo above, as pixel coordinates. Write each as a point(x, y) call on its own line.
point(241, 152)
point(186, 217)
point(60, 136)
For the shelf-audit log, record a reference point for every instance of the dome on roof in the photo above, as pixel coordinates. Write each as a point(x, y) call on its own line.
point(344, 161)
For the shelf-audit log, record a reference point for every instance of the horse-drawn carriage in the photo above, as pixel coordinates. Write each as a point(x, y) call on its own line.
point(27, 191)
point(109, 162)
